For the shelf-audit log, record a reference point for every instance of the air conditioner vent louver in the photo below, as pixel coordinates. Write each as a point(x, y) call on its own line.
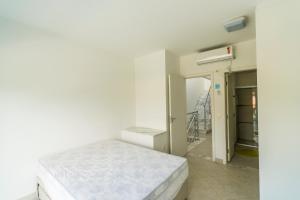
point(221, 54)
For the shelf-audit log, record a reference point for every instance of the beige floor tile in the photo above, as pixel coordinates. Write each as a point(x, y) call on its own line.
point(211, 181)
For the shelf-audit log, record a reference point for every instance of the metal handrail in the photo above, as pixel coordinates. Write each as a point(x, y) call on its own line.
point(204, 107)
point(191, 113)
point(208, 94)
point(193, 127)
point(192, 120)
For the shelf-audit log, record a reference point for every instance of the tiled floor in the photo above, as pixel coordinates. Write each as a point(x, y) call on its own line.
point(211, 181)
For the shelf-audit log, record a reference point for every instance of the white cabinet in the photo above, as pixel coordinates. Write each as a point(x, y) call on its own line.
point(147, 137)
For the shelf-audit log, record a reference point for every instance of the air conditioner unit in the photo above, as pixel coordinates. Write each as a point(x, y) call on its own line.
point(215, 55)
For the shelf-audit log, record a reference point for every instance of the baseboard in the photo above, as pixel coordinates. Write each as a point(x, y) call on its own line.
point(32, 196)
point(220, 161)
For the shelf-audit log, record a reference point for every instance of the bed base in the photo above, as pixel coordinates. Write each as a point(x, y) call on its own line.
point(182, 194)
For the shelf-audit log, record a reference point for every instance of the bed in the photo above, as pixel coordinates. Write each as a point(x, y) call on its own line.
point(112, 170)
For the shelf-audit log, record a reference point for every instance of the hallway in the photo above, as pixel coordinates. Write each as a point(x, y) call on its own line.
point(212, 181)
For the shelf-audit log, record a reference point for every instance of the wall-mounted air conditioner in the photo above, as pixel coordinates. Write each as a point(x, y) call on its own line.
point(221, 54)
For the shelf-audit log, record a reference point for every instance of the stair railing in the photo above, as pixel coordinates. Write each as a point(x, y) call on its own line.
point(193, 130)
point(204, 108)
point(193, 127)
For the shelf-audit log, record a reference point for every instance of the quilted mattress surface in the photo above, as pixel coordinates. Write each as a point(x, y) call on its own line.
point(113, 170)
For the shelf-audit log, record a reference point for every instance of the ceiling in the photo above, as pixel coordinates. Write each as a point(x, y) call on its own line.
point(136, 27)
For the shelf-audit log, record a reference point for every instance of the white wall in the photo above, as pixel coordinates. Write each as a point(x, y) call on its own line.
point(278, 98)
point(53, 96)
point(195, 88)
point(245, 53)
point(151, 86)
point(150, 91)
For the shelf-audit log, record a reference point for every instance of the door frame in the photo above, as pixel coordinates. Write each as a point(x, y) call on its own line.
point(211, 74)
point(227, 108)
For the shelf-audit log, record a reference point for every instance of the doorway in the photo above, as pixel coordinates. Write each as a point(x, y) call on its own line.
point(242, 116)
point(199, 116)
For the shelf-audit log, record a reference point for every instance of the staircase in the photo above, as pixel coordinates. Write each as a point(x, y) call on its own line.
point(199, 121)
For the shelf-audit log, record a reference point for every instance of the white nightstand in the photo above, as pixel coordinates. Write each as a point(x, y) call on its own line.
point(147, 137)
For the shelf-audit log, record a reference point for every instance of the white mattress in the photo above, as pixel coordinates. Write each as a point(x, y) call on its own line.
point(112, 170)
